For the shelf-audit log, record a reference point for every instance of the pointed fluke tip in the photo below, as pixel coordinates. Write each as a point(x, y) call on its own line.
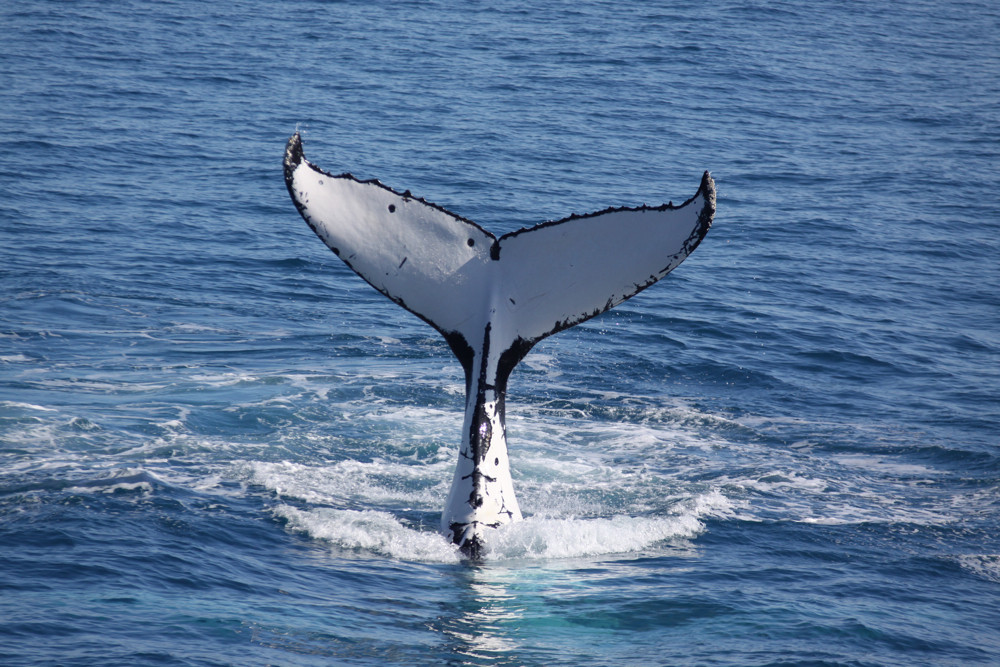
point(293, 151)
point(707, 184)
point(707, 188)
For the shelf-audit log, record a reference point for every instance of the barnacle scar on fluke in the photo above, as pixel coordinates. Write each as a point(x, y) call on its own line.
point(492, 299)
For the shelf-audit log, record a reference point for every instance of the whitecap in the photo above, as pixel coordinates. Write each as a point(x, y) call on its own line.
point(986, 566)
point(14, 358)
point(126, 480)
point(370, 531)
point(378, 483)
point(574, 538)
point(25, 406)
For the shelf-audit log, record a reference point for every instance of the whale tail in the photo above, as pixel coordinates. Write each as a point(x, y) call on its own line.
point(491, 298)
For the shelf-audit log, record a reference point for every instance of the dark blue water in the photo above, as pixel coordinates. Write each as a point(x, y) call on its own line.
point(219, 446)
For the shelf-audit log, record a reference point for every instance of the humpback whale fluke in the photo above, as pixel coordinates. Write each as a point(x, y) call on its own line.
point(491, 298)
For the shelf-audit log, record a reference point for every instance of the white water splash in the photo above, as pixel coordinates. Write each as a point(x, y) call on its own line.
point(370, 532)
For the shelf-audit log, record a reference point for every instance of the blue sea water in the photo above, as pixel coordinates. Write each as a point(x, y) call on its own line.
point(218, 446)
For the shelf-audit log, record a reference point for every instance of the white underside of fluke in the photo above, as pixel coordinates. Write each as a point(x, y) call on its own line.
point(492, 299)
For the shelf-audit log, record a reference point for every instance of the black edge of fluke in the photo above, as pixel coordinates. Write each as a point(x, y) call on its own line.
point(293, 157)
point(707, 188)
point(707, 215)
point(293, 150)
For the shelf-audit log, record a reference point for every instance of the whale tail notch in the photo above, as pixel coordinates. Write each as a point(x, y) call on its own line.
point(491, 298)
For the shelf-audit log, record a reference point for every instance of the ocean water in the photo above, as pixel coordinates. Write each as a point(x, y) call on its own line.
point(218, 446)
